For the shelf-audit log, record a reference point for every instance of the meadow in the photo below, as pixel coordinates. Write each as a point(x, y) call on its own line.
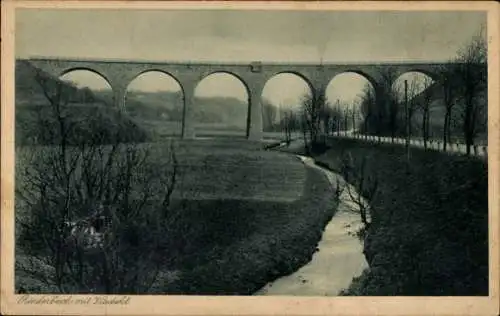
point(243, 217)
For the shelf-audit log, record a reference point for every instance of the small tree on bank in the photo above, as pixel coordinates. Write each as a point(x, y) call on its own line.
point(360, 186)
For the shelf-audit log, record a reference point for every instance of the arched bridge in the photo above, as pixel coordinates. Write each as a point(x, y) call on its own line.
point(253, 75)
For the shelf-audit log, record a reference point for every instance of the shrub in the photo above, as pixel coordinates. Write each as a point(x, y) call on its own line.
point(93, 218)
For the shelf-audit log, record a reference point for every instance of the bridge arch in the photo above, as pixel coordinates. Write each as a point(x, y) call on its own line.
point(421, 95)
point(222, 104)
point(353, 75)
point(431, 73)
point(89, 69)
point(299, 74)
point(282, 96)
point(417, 81)
point(225, 72)
point(347, 94)
point(368, 77)
point(88, 87)
point(156, 98)
point(157, 70)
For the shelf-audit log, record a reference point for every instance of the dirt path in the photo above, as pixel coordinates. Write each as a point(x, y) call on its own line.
point(338, 260)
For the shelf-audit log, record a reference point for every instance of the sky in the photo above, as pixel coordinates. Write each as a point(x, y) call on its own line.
point(243, 36)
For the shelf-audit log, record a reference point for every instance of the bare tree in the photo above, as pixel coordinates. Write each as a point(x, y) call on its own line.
point(413, 99)
point(446, 76)
point(471, 71)
point(327, 119)
point(289, 124)
point(269, 112)
point(367, 108)
point(303, 128)
point(337, 117)
point(425, 103)
point(387, 105)
point(361, 187)
point(333, 117)
point(313, 107)
point(346, 115)
point(354, 116)
point(94, 215)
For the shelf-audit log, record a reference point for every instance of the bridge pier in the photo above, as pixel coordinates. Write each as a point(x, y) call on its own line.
point(188, 122)
point(119, 97)
point(254, 124)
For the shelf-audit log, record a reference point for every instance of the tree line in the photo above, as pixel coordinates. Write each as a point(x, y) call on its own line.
point(460, 84)
point(390, 109)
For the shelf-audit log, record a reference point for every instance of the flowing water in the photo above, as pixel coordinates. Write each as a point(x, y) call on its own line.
point(339, 257)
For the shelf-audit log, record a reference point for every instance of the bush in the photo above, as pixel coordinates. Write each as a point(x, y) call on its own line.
point(93, 218)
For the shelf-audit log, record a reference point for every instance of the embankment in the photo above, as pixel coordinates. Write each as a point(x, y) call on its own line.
point(429, 232)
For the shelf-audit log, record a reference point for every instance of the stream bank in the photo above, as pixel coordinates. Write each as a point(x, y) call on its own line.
point(339, 257)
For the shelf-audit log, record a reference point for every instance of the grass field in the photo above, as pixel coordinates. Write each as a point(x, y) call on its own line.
point(165, 128)
point(263, 241)
point(248, 217)
point(429, 234)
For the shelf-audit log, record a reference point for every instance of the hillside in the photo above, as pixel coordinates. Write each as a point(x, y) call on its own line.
point(85, 113)
point(29, 90)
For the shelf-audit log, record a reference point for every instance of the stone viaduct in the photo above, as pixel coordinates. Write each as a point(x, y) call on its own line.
point(253, 75)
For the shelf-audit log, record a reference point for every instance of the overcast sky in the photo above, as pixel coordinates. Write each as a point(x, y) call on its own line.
point(218, 35)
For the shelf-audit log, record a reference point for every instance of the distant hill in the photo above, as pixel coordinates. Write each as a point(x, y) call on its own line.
point(168, 106)
point(86, 114)
point(230, 111)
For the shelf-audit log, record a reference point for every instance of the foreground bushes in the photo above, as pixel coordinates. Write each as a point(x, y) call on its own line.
point(90, 215)
point(429, 232)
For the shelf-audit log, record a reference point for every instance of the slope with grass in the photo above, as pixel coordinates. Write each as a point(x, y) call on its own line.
point(429, 234)
point(85, 114)
point(267, 240)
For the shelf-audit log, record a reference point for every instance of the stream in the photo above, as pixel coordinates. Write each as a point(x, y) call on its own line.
point(339, 258)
